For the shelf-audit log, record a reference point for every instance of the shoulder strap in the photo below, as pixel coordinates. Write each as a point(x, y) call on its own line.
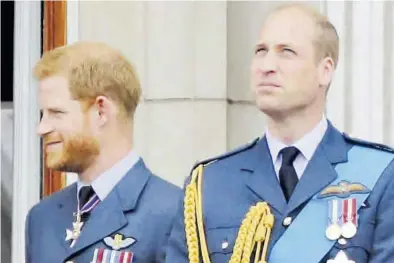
point(227, 154)
point(368, 144)
point(365, 165)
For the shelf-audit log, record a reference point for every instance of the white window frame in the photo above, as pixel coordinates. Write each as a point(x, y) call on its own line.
point(72, 36)
point(27, 161)
point(26, 157)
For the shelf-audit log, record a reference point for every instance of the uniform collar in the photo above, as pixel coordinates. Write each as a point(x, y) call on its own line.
point(307, 144)
point(106, 181)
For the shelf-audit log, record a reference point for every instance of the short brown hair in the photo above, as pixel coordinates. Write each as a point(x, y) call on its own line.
point(93, 69)
point(326, 39)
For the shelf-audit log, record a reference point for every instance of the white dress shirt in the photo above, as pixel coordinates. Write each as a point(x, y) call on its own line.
point(306, 145)
point(106, 181)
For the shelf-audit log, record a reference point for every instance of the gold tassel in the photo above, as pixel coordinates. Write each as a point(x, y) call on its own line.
point(255, 230)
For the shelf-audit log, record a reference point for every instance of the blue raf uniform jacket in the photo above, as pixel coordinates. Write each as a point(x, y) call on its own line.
point(235, 181)
point(140, 208)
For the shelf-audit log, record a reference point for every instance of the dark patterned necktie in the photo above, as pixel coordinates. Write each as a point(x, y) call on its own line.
point(86, 193)
point(287, 175)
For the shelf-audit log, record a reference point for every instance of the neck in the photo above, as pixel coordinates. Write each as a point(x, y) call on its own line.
point(110, 153)
point(292, 127)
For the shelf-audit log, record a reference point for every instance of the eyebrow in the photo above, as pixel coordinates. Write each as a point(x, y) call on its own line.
point(260, 45)
point(285, 45)
point(52, 109)
point(281, 45)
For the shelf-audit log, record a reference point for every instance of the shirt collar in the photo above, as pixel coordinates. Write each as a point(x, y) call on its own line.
point(307, 144)
point(106, 181)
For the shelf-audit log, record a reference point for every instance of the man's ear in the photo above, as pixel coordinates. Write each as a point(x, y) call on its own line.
point(104, 109)
point(326, 70)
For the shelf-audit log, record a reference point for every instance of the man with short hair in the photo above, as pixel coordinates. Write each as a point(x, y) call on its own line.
point(117, 211)
point(305, 192)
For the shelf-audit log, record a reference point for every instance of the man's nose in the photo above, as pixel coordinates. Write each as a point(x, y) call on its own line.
point(44, 128)
point(267, 64)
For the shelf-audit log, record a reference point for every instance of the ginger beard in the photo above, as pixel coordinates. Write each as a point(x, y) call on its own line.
point(73, 153)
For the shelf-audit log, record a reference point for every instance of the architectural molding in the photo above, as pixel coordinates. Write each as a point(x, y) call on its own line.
point(72, 36)
point(26, 186)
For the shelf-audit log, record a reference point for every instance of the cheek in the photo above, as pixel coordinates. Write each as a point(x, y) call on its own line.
point(255, 69)
point(70, 131)
point(75, 128)
point(310, 78)
point(89, 127)
point(300, 79)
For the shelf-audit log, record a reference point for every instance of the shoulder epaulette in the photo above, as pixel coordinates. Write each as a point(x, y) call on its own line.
point(369, 144)
point(227, 154)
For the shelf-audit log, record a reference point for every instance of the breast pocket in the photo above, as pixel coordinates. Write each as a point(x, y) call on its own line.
point(220, 242)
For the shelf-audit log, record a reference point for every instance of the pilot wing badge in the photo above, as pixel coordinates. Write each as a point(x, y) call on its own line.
point(119, 241)
point(343, 189)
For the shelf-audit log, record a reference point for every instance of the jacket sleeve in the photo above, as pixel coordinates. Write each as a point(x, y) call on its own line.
point(171, 212)
point(176, 251)
point(383, 240)
point(28, 238)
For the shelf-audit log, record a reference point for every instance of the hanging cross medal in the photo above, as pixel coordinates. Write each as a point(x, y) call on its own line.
point(333, 231)
point(349, 227)
point(76, 231)
point(78, 224)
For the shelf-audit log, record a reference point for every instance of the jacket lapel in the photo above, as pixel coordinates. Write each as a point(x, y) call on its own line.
point(109, 216)
point(320, 170)
point(67, 206)
point(263, 180)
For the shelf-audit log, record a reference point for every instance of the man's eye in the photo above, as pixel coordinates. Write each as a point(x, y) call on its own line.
point(57, 111)
point(260, 50)
point(288, 50)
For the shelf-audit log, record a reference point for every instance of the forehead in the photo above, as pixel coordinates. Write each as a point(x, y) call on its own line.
point(290, 26)
point(54, 92)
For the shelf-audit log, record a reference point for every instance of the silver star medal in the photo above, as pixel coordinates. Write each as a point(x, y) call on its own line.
point(75, 232)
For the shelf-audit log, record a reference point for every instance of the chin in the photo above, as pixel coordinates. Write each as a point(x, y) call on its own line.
point(52, 162)
point(57, 167)
point(268, 105)
point(65, 167)
point(57, 163)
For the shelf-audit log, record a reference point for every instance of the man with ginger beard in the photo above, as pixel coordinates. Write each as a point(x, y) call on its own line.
point(117, 211)
point(304, 192)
